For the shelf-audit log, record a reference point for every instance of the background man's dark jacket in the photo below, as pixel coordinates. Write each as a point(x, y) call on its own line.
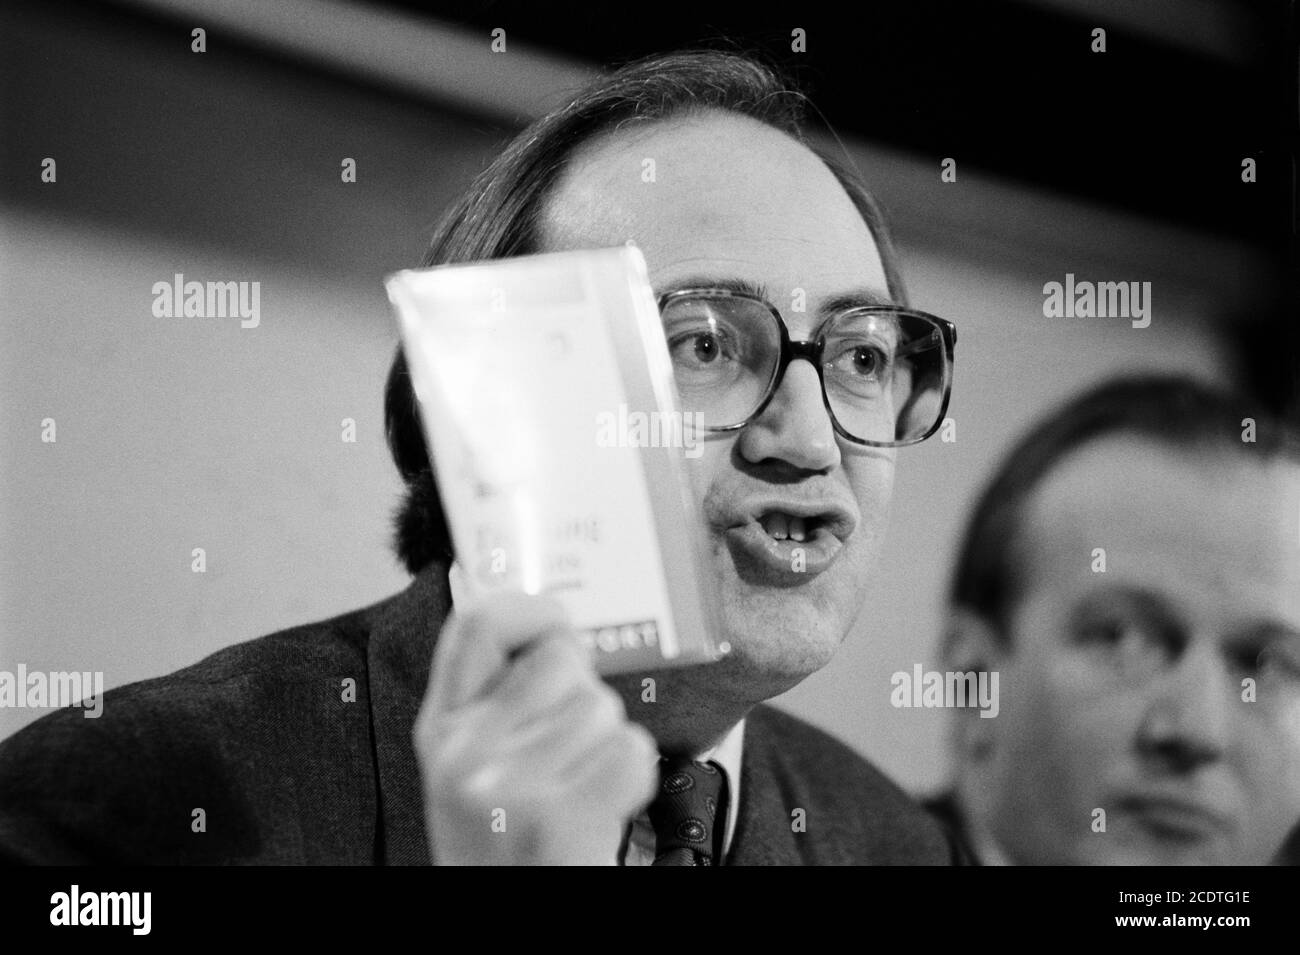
point(263, 739)
point(945, 808)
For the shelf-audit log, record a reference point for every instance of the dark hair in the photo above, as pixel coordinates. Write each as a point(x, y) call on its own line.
point(1172, 411)
point(498, 217)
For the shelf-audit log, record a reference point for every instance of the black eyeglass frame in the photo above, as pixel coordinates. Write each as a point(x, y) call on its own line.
point(811, 351)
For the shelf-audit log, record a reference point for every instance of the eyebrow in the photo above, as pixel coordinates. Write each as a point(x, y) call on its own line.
point(1129, 597)
point(1154, 606)
point(852, 298)
point(1267, 631)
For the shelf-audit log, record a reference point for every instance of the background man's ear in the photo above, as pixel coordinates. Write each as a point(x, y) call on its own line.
point(970, 642)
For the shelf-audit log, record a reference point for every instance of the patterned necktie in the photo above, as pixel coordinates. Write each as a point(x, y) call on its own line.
point(691, 797)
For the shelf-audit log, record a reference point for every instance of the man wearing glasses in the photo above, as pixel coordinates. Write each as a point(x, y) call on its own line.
point(783, 312)
point(779, 301)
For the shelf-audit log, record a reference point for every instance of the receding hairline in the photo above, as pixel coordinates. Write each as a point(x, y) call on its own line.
point(587, 153)
point(689, 114)
point(1202, 455)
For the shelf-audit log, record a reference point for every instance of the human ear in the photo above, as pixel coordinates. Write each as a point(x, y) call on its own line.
point(972, 643)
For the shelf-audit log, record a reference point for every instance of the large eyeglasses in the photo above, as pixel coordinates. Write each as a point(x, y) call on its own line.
point(886, 372)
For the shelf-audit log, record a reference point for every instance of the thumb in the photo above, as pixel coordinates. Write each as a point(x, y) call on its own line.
point(477, 643)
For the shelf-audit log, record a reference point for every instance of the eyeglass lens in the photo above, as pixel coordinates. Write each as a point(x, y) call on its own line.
point(883, 371)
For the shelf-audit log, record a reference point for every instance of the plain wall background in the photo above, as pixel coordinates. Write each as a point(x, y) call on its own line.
point(183, 433)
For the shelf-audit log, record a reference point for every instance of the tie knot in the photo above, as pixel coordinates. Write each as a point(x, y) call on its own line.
point(685, 813)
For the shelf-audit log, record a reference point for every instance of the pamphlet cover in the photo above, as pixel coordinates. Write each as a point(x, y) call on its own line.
point(548, 404)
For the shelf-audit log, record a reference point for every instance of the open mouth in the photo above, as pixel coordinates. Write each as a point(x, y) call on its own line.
point(781, 526)
point(777, 548)
point(786, 543)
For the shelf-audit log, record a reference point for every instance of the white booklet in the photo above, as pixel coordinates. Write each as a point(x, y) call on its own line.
point(547, 398)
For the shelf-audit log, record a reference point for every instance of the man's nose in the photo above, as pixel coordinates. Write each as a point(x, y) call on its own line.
point(795, 427)
point(1189, 717)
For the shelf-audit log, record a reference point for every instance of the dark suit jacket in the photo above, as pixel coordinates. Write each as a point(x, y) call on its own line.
point(943, 806)
point(286, 770)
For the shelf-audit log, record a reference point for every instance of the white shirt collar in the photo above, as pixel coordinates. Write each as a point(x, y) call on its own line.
point(982, 843)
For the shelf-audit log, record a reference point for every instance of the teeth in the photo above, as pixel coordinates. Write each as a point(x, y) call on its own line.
point(785, 527)
point(777, 526)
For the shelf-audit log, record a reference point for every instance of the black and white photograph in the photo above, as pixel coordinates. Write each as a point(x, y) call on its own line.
point(712, 434)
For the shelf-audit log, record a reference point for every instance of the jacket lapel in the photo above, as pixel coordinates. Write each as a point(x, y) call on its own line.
point(763, 833)
point(400, 650)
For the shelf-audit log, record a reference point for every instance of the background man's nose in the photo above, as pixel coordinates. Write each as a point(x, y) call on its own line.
point(795, 427)
point(1189, 716)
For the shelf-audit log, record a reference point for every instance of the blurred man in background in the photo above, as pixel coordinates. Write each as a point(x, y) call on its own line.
point(1133, 574)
